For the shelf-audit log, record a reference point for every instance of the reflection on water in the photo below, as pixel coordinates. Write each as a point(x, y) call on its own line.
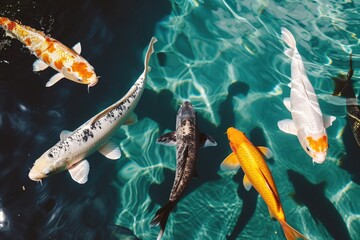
point(226, 57)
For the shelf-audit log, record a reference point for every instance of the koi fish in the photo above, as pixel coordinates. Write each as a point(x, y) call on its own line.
point(257, 174)
point(94, 135)
point(344, 87)
point(188, 140)
point(51, 52)
point(308, 122)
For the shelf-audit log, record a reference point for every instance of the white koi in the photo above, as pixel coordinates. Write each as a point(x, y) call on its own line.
point(51, 52)
point(308, 122)
point(94, 135)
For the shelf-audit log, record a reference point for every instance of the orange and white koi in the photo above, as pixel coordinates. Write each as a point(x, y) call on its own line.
point(51, 52)
point(307, 123)
point(257, 174)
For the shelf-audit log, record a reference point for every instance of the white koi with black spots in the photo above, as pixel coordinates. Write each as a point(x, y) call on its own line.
point(94, 135)
point(188, 140)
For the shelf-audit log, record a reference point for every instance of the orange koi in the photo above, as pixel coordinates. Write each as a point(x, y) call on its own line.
point(257, 174)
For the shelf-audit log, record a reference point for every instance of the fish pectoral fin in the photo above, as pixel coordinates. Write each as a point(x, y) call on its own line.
point(230, 163)
point(206, 140)
point(287, 126)
point(287, 103)
point(131, 119)
point(77, 48)
point(247, 184)
point(64, 134)
point(265, 151)
point(168, 139)
point(39, 65)
point(328, 120)
point(111, 150)
point(9, 34)
point(54, 79)
point(79, 172)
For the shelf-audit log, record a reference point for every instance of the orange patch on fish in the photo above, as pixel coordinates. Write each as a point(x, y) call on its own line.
point(46, 58)
point(59, 64)
point(27, 41)
point(319, 145)
point(11, 25)
point(38, 52)
point(51, 47)
point(2, 20)
point(81, 69)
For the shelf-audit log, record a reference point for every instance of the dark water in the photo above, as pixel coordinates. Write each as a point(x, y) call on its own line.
point(227, 58)
point(32, 116)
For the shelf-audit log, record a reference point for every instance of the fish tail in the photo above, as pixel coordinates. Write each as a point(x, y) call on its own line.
point(289, 40)
point(290, 232)
point(161, 217)
point(343, 85)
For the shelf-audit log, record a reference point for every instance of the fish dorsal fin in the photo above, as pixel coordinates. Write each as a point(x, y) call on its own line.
point(54, 79)
point(77, 48)
point(168, 139)
point(272, 187)
point(112, 107)
point(230, 163)
point(131, 119)
point(287, 126)
point(39, 65)
point(184, 155)
point(79, 171)
point(328, 120)
point(110, 150)
point(265, 151)
point(246, 182)
point(206, 140)
point(102, 113)
point(287, 103)
point(64, 134)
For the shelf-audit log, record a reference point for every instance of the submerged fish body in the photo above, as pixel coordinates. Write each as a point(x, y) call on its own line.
point(258, 175)
point(94, 135)
point(344, 87)
point(51, 52)
point(188, 140)
point(308, 122)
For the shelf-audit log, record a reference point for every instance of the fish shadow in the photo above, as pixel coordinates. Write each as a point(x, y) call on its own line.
point(350, 162)
point(320, 207)
point(249, 203)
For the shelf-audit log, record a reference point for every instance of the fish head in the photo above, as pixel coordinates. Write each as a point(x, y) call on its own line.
point(186, 113)
point(47, 165)
point(84, 73)
point(235, 137)
point(316, 146)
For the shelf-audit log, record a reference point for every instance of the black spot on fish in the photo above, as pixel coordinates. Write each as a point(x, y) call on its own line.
point(87, 133)
point(50, 155)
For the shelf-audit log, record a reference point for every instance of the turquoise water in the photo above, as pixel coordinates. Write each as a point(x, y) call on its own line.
point(227, 58)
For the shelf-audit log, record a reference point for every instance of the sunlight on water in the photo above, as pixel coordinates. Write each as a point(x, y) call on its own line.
point(204, 48)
